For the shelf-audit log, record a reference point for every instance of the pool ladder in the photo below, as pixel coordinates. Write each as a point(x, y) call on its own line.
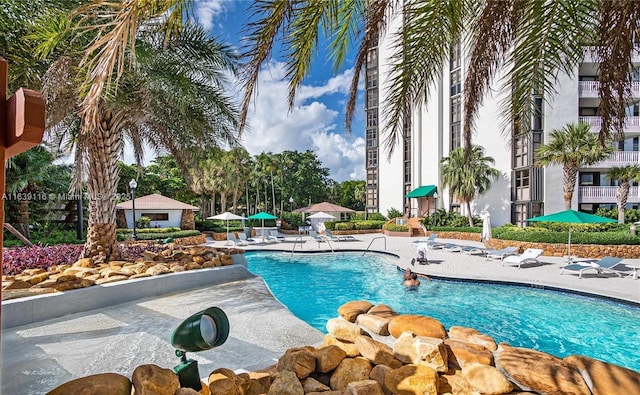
point(371, 242)
point(300, 239)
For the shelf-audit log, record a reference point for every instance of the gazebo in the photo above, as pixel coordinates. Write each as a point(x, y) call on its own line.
point(326, 207)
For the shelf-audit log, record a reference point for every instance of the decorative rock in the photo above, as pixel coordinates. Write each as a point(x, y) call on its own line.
point(328, 358)
point(460, 353)
point(421, 350)
point(154, 380)
point(379, 373)
point(418, 324)
point(343, 329)
point(34, 279)
point(226, 260)
point(105, 383)
point(364, 387)
point(471, 335)
point(16, 284)
point(187, 391)
point(350, 369)
point(112, 279)
point(349, 348)
point(539, 372)
point(286, 384)
point(377, 352)
point(374, 323)
point(301, 361)
point(84, 262)
point(259, 383)
point(312, 385)
point(382, 310)
point(412, 380)
point(223, 382)
point(604, 378)
point(350, 311)
point(454, 383)
point(486, 379)
point(158, 269)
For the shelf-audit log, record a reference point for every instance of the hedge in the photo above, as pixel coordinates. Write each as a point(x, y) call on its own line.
point(144, 235)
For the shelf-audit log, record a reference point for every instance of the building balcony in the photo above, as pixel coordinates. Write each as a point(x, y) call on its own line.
point(631, 124)
point(605, 195)
point(590, 89)
point(618, 159)
point(590, 55)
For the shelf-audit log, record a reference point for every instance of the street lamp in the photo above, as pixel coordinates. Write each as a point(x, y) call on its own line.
point(291, 204)
point(435, 207)
point(133, 185)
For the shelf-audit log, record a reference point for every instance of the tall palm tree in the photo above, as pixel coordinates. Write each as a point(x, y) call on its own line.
point(468, 178)
point(625, 175)
point(572, 147)
point(530, 40)
point(172, 97)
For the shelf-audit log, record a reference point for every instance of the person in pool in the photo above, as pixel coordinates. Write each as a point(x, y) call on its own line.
point(412, 281)
point(407, 275)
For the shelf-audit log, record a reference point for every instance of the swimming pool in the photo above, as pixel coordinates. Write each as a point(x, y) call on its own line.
point(313, 286)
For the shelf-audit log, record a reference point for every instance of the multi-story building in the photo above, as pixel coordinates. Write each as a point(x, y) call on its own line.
point(523, 189)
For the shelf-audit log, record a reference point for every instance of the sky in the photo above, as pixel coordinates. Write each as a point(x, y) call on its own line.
point(315, 123)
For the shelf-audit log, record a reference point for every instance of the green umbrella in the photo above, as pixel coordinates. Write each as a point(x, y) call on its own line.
point(262, 216)
point(572, 217)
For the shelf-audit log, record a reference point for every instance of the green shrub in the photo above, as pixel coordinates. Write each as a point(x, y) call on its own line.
point(345, 226)
point(376, 217)
point(466, 229)
point(45, 238)
point(370, 224)
point(170, 229)
point(175, 235)
point(331, 225)
point(542, 235)
point(143, 222)
point(397, 228)
point(393, 213)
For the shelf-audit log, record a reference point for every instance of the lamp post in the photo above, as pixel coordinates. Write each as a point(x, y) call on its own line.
point(133, 185)
point(291, 204)
point(435, 207)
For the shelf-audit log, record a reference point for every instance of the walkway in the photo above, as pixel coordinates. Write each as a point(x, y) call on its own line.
point(117, 338)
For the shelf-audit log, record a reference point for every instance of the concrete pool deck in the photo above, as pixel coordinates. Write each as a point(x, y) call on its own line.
point(39, 356)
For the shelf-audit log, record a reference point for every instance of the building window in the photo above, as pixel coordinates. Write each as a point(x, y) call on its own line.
point(537, 114)
point(372, 98)
point(521, 214)
point(372, 58)
point(156, 216)
point(372, 138)
point(372, 158)
point(372, 78)
point(372, 197)
point(522, 186)
point(520, 151)
point(454, 62)
point(372, 118)
point(456, 85)
point(372, 177)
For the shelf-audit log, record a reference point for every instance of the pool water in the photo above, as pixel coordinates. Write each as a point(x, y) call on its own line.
point(313, 286)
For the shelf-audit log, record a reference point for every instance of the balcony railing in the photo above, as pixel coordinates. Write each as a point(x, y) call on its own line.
point(590, 89)
point(619, 159)
point(605, 195)
point(631, 124)
point(590, 55)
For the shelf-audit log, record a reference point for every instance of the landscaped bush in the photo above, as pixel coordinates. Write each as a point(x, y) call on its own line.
point(16, 260)
point(370, 224)
point(396, 228)
point(170, 229)
point(145, 235)
point(467, 229)
point(45, 237)
point(345, 226)
point(394, 213)
point(377, 217)
point(541, 235)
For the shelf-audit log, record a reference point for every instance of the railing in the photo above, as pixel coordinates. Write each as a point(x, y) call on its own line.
point(374, 239)
point(631, 124)
point(618, 159)
point(608, 194)
point(592, 89)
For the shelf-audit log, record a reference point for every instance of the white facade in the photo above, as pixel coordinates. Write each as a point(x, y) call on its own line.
point(174, 217)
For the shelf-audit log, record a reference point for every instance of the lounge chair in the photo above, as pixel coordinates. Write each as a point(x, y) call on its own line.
point(273, 234)
point(501, 254)
point(530, 255)
point(315, 236)
point(451, 247)
point(606, 264)
point(243, 237)
point(430, 242)
point(329, 235)
point(233, 240)
point(472, 250)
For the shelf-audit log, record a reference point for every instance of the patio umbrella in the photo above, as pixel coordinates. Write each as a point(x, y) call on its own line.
point(226, 216)
point(262, 216)
point(572, 217)
point(321, 215)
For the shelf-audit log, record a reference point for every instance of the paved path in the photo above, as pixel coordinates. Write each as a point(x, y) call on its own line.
point(39, 356)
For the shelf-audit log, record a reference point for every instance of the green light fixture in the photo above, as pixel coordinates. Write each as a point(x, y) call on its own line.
point(204, 330)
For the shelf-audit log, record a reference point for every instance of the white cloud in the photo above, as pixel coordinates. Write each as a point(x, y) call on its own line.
point(208, 10)
point(310, 124)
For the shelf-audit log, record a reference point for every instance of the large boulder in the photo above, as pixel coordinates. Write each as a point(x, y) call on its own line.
point(349, 370)
point(350, 310)
point(379, 373)
point(364, 387)
point(343, 330)
point(486, 379)
point(154, 380)
point(419, 325)
point(377, 352)
point(454, 383)
point(105, 383)
point(328, 358)
point(412, 380)
point(604, 378)
point(223, 382)
point(301, 361)
point(348, 347)
point(286, 383)
point(421, 350)
point(471, 335)
point(539, 372)
point(460, 353)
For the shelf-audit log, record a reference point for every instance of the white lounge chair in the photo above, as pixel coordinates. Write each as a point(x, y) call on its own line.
point(273, 234)
point(473, 250)
point(233, 240)
point(430, 242)
point(243, 237)
point(502, 253)
point(530, 255)
point(315, 236)
point(451, 247)
point(606, 264)
point(329, 235)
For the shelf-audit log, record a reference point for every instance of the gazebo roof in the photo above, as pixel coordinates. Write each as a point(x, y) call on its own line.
point(326, 207)
point(155, 202)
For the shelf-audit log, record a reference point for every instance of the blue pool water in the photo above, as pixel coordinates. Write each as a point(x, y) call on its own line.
point(314, 286)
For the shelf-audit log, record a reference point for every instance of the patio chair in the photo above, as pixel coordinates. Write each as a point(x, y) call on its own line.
point(243, 237)
point(233, 240)
point(606, 264)
point(329, 234)
point(315, 236)
point(430, 242)
point(501, 254)
point(273, 234)
point(530, 255)
point(473, 250)
point(451, 247)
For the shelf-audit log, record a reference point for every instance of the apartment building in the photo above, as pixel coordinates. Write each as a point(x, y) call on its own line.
point(523, 190)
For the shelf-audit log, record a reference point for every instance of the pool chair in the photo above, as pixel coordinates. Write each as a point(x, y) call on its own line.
point(243, 237)
point(315, 236)
point(273, 234)
point(472, 250)
point(604, 265)
point(233, 240)
point(530, 255)
point(451, 247)
point(431, 242)
point(501, 254)
point(329, 235)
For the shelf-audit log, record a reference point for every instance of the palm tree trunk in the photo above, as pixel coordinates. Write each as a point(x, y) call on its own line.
point(469, 216)
point(23, 218)
point(104, 146)
point(569, 184)
point(623, 195)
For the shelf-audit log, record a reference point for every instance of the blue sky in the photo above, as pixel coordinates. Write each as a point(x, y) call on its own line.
point(317, 120)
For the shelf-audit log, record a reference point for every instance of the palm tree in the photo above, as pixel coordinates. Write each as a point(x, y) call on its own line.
point(572, 147)
point(625, 175)
point(468, 178)
point(172, 97)
point(530, 40)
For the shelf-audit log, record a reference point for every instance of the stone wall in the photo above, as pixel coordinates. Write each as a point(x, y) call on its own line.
point(191, 240)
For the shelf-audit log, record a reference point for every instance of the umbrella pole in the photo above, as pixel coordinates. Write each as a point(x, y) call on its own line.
point(569, 247)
